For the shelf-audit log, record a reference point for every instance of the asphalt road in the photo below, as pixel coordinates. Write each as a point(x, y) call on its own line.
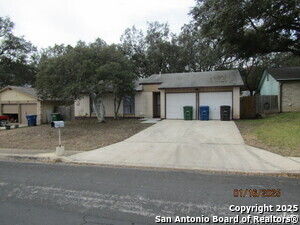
point(42, 194)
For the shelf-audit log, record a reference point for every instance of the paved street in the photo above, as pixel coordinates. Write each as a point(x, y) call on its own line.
point(34, 193)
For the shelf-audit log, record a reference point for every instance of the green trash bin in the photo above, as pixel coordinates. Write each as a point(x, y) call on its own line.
point(188, 112)
point(55, 117)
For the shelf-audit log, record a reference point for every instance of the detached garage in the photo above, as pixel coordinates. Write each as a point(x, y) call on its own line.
point(16, 102)
point(213, 89)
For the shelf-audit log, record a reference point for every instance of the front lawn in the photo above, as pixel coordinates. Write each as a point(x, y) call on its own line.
point(81, 135)
point(278, 133)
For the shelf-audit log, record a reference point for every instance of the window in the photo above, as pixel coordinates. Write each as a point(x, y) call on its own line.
point(128, 103)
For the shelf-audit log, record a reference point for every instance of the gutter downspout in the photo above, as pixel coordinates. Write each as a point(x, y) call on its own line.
point(280, 100)
point(197, 104)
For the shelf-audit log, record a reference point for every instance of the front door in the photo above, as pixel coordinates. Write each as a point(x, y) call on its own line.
point(156, 104)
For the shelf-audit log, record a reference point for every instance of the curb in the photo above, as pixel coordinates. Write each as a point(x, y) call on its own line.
point(271, 174)
point(63, 159)
point(30, 158)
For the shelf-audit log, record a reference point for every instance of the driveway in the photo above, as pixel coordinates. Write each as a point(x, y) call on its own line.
point(194, 145)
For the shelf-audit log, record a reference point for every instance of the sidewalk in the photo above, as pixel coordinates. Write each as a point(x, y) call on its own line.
point(206, 157)
point(148, 159)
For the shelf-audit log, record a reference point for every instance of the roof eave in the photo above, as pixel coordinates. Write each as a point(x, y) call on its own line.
point(201, 87)
point(288, 79)
point(149, 83)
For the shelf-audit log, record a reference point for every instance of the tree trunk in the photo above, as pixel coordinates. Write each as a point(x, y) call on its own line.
point(115, 109)
point(103, 111)
point(117, 103)
point(99, 108)
point(247, 82)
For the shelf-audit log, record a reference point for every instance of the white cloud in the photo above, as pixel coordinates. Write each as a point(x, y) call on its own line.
point(45, 23)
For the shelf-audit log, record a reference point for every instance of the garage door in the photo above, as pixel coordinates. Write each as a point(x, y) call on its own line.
point(214, 100)
point(175, 103)
point(10, 109)
point(27, 109)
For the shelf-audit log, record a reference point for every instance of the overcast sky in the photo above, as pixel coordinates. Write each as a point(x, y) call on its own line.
point(49, 22)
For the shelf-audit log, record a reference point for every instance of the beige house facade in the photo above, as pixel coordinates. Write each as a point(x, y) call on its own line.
point(17, 102)
point(165, 95)
point(83, 106)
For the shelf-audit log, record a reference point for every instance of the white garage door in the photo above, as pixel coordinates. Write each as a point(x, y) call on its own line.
point(214, 100)
point(175, 103)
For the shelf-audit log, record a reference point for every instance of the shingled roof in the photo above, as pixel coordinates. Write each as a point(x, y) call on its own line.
point(26, 90)
point(196, 79)
point(285, 73)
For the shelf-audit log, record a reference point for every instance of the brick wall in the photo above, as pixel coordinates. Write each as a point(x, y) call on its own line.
point(291, 96)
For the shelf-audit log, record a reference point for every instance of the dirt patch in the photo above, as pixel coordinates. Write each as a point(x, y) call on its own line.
point(80, 135)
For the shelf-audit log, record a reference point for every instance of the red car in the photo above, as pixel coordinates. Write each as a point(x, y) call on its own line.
point(3, 120)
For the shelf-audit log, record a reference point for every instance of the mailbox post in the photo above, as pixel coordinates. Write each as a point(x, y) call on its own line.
point(59, 149)
point(59, 137)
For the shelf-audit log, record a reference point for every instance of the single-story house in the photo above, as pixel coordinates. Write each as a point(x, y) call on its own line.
point(17, 102)
point(284, 83)
point(165, 95)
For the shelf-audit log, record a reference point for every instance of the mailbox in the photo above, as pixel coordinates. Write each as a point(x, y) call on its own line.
point(58, 124)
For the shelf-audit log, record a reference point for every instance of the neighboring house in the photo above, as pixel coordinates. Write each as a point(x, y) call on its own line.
point(17, 102)
point(246, 93)
point(284, 83)
point(164, 95)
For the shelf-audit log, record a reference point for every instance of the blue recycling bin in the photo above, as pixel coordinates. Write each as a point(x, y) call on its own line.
point(31, 119)
point(204, 112)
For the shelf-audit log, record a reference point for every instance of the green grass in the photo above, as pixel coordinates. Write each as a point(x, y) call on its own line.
point(278, 133)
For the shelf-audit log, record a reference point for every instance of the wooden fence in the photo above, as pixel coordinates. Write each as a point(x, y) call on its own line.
point(66, 112)
point(252, 106)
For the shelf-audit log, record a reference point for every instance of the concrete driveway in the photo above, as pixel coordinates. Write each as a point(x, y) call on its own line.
point(195, 145)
